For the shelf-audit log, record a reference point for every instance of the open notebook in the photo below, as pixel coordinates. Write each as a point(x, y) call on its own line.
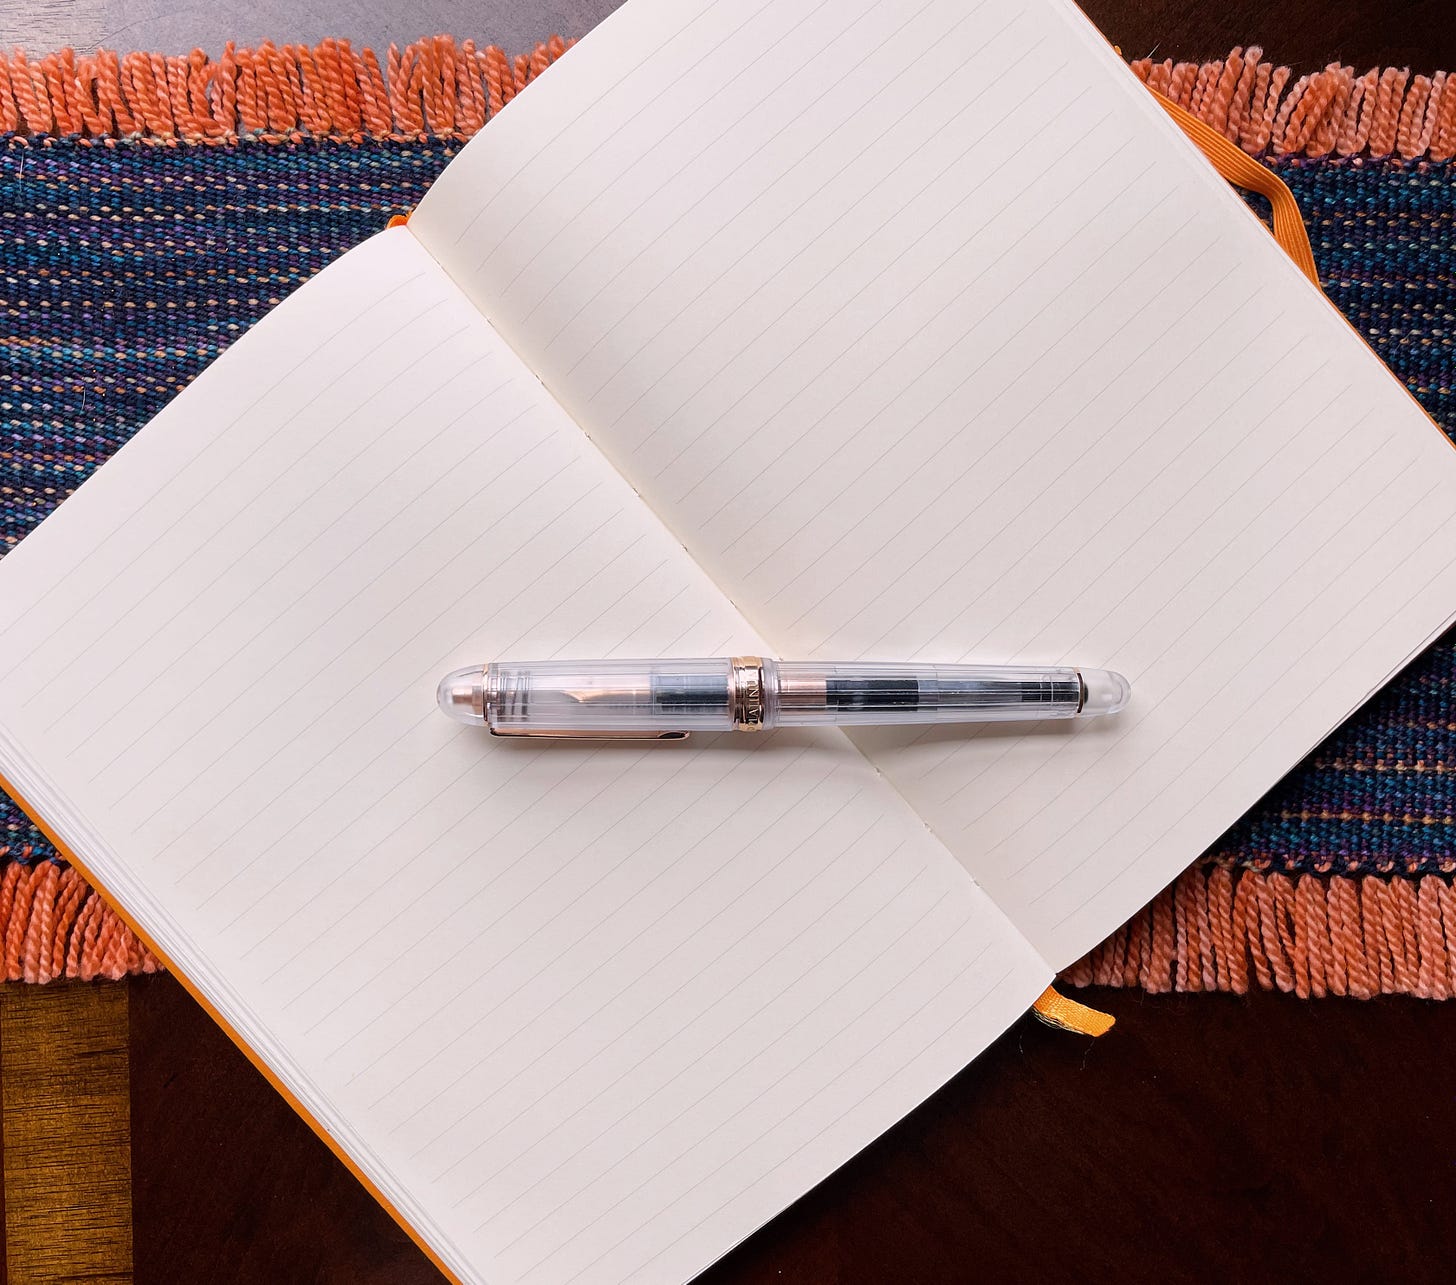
point(796, 328)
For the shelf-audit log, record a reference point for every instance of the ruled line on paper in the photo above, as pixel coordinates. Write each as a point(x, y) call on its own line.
point(414, 410)
point(508, 184)
point(874, 1000)
point(953, 749)
point(1382, 623)
point(486, 445)
point(798, 301)
point(970, 66)
point(711, 962)
point(991, 492)
point(371, 892)
point(1171, 418)
point(622, 174)
point(349, 644)
point(629, 584)
point(1016, 871)
point(488, 482)
point(662, 373)
point(483, 1106)
point(827, 415)
point(144, 505)
point(405, 781)
point(563, 822)
point(403, 910)
point(474, 1069)
point(1171, 650)
point(135, 607)
point(858, 1059)
point(531, 943)
point(426, 717)
point(545, 838)
point(312, 499)
point(677, 861)
point(562, 601)
point(881, 863)
point(987, 993)
point(967, 782)
point(394, 959)
point(673, 645)
point(1173, 735)
point(773, 460)
point(957, 478)
point(1279, 445)
point(732, 462)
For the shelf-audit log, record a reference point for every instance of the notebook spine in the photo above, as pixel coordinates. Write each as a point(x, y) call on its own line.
point(446, 88)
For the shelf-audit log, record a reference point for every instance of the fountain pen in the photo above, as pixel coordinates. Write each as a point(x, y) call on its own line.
point(668, 699)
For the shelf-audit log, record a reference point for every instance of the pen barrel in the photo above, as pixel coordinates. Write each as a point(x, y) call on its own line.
point(808, 693)
point(602, 697)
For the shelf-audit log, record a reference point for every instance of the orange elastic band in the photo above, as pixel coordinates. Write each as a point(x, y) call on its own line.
point(1239, 168)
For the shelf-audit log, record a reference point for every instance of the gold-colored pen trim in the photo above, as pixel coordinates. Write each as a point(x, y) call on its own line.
point(746, 693)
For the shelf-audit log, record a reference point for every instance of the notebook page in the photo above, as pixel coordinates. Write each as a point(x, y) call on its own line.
point(931, 338)
point(579, 1010)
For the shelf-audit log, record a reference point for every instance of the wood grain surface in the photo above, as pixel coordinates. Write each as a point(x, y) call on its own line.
point(1206, 1138)
point(65, 1100)
point(1308, 34)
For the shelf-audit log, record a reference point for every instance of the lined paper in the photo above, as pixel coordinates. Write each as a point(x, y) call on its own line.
point(583, 1012)
point(860, 334)
point(925, 358)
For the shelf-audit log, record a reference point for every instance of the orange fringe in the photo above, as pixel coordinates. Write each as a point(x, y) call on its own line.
point(1332, 112)
point(1218, 929)
point(440, 87)
point(54, 926)
point(447, 88)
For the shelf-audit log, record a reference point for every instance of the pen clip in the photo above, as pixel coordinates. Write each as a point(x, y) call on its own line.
point(563, 734)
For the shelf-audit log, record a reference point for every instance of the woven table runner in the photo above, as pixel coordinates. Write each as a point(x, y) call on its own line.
point(152, 209)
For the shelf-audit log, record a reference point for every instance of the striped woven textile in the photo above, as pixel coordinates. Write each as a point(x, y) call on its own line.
point(151, 209)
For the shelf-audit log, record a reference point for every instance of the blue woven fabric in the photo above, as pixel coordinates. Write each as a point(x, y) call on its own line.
point(125, 270)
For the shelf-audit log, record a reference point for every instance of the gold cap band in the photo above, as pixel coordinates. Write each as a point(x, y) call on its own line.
point(748, 693)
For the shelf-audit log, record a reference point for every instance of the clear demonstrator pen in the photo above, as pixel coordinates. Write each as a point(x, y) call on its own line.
point(668, 699)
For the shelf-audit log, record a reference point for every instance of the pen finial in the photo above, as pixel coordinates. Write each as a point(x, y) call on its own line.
point(462, 695)
point(1103, 691)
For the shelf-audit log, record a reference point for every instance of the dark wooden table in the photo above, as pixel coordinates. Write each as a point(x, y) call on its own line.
point(1207, 1138)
